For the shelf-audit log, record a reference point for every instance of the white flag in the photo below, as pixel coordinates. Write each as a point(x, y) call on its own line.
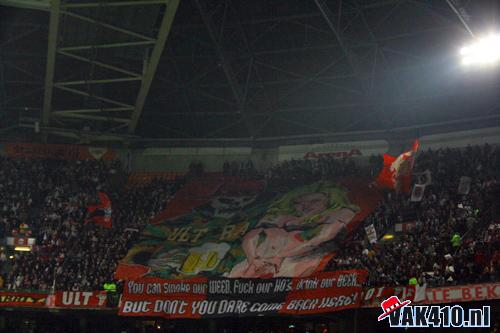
point(464, 186)
point(418, 193)
point(420, 293)
point(428, 177)
point(424, 178)
point(371, 233)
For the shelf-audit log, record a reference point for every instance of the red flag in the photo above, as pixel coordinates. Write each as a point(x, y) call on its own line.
point(396, 173)
point(101, 213)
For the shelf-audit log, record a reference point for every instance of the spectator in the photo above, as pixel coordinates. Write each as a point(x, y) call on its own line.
point(49, 198)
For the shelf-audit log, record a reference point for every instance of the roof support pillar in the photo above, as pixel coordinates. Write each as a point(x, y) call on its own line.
point(51, 60)
point(152, 64)
point(226, 66)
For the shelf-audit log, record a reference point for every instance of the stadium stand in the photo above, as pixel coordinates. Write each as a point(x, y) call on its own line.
point(221, 166)
point(73, 255)
point(426, 252)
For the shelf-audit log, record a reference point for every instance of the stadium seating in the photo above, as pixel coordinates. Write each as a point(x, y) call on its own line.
point(52, 198)
point(427, 252)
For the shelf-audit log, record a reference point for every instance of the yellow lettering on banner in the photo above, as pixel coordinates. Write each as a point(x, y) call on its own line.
point(179, 234)
point(232, 232)
point(199, 234)
point(174, 234)
point(227, 232)
point(211, 260)
point(191, 262)
point(184, 237)
point(198, 261)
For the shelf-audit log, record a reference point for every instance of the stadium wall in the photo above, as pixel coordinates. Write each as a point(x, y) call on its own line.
point(178, 159)
point(263, 156)
point(461, 139)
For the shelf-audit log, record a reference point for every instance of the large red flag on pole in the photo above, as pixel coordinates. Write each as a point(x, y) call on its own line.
point(101, 213)
point(397, 171)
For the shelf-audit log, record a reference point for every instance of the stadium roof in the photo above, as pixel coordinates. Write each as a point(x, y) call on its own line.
point(126, 69)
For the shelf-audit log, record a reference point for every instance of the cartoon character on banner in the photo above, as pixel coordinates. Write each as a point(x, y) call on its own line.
point(293, 239)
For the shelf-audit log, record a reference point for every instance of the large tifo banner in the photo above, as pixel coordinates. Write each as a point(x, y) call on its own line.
point(62, 152)
point(237, 229)
point(219, 297)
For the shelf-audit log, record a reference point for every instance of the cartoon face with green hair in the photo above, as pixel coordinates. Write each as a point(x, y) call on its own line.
point(310, 202)
point(288, 240)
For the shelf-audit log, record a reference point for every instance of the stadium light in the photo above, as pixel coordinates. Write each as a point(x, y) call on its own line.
point(22, 248)
point(388, 237)
point(485, 51)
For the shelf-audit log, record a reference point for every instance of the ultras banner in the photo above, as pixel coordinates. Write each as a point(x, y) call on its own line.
point(80, 299)
point(23, 299)
point(372, 297)
point(239, 229)
point(218, 297)
point(466, 293)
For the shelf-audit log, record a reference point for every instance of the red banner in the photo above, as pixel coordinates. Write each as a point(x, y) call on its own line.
point(22, 299)
point(372, 297)
point(325, 292)
point(218, 297)
point(204, 298)
point(62, 152)
point(80, 299)
point(467, 293)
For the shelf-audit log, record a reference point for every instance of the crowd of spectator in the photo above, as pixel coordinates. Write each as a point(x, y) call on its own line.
point(324, 167)
point(49, 196)
point(312, 167)
point(455, 238)
point(52, 196)
point(308, 170)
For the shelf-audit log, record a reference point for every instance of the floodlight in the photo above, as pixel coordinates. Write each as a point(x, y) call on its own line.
point(388, 237)
point(22, 248)
point(485, 51)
